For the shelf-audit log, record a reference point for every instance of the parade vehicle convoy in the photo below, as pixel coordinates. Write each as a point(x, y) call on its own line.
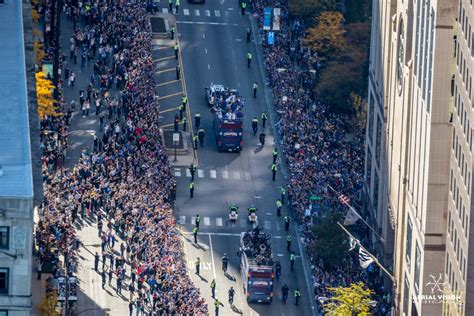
point(226, 105)
point(257, 266)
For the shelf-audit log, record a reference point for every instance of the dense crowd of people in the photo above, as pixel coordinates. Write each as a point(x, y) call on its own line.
point(319, 153)
point(124, 182)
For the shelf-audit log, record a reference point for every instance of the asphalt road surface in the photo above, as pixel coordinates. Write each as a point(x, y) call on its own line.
point(213, 48)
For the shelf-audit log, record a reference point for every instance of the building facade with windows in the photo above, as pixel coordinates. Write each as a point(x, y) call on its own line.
point(459, 261)
point(413, 50)
point(16, 175)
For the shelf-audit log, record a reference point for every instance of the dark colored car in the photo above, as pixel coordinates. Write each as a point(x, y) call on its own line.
point(196, 1)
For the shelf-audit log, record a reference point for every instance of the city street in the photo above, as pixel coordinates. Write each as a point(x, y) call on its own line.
point(212, 40)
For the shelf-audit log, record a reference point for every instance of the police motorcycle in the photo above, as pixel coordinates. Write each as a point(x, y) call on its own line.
point(253, 214)
point(233, 213)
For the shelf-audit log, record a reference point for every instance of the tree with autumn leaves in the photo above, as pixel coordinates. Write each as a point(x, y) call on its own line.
point(341, 42)
point(352, 300)
point(44, 95)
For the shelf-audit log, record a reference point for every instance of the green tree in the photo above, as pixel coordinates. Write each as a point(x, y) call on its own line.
point(330, 243)
point(326, 37)
point(308, 9)
point(335, 83)
point(351, 300)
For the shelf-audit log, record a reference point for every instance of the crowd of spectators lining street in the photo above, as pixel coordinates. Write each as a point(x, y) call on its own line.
point(317, 148)
point(125, 180)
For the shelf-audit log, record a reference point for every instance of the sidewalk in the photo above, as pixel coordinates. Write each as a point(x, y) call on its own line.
point(91, 296)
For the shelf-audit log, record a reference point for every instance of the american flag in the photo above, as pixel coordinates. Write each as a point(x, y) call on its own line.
point(344, 199)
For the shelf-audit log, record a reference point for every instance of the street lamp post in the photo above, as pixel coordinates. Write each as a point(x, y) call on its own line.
point(175, 144)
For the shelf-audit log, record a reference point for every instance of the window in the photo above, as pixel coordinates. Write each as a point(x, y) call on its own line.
point(417, 268)
point(4, 280)
point(408, 245)
point(4, 238)
point(3, 313)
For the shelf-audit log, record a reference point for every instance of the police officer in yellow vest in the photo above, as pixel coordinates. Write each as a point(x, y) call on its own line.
point(288, 243)
point(249, 59)
point(274, 171)
point(243, 5)
point(279, 205)
point(191, 189)
point(195, 141)
point(283, 194)
point(176, 4)
point(297, 296)
point(274, 155)
point(264, 118)
point(184, 121)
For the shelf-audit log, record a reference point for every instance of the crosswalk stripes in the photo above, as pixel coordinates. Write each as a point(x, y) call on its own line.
point(197, 12)
point(224, 221)
point(214, 174)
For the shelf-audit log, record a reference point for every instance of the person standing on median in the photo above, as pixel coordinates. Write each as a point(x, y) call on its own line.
point(195, 234)
point(197, 265)
point(191, 189)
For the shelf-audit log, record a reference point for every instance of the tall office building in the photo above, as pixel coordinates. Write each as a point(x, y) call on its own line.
point(409, 135)
point(459, 261)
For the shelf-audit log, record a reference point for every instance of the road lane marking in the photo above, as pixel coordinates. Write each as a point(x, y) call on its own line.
point(213, 174)
point(225, 174)
point(177, 173)
point(207, 221)
point(164, 10)
point(188, 173)
point(238, 40)
point(165, 83)
point(212, 257)
point(196, 12)
point(205, 50)
point(230, 9)
point(169, 96)
point(200, 173)
point(248, 176)
point(208, 66)
point(219, 221)
point(268, 213)
point(207, 23)
point(182, 219)
point(267, 225)
point(164, 58)
point(165, 70)
point(278, 225)
point(217, 13)
point(203, 35)
point(185, 11)
point(193, 219)
point(236, 175)
point(207, 13)
point(168, 110)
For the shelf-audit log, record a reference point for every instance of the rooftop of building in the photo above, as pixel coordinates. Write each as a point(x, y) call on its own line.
point(15, 152)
